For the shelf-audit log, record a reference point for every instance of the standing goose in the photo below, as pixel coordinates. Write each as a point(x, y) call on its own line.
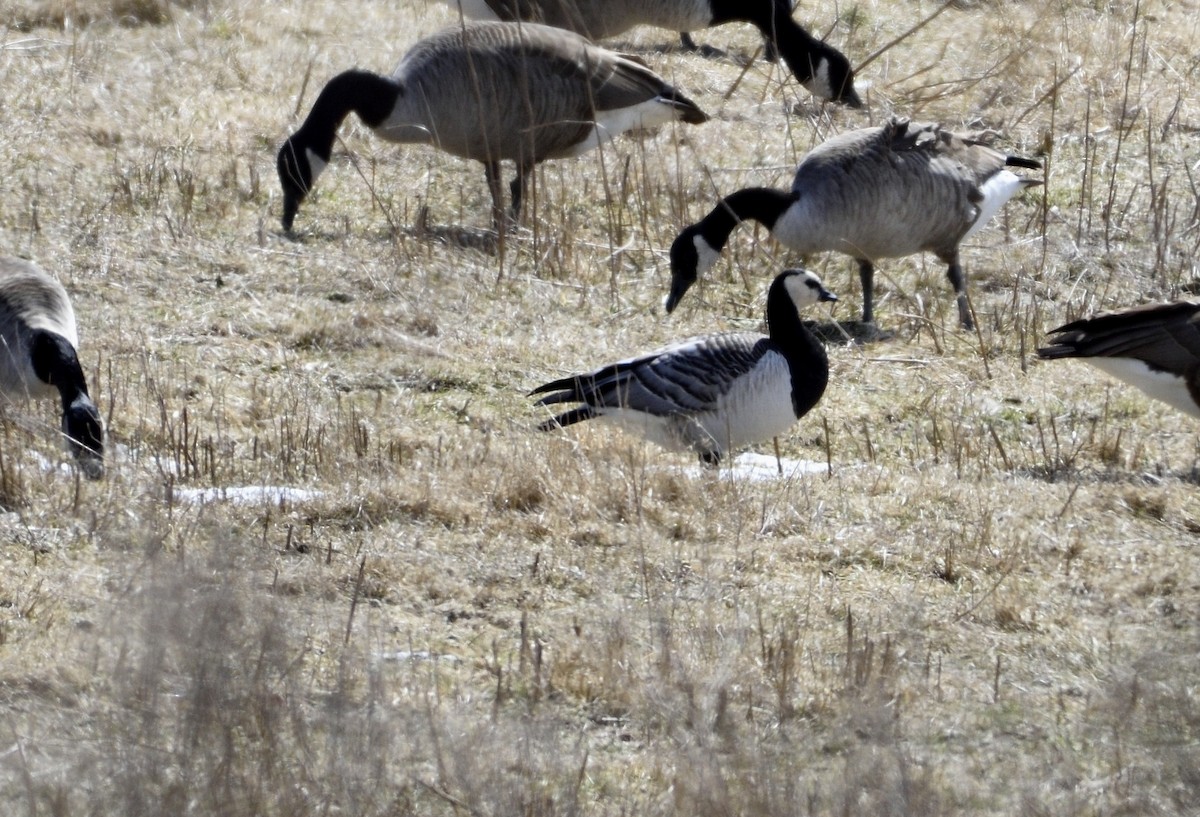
point(488, 91)
point(880, 192)
point(37, 356)
point(711, 393)
point(819, 67)
point(1154, 347)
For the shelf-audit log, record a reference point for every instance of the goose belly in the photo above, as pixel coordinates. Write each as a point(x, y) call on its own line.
point(883, 217)
point(757, 407)
point(1169, 388)
point(667, 431)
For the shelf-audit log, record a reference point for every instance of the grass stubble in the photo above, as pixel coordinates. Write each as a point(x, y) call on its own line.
point(989, 606)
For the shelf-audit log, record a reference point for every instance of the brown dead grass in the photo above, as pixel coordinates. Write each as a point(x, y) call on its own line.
point(988, 607)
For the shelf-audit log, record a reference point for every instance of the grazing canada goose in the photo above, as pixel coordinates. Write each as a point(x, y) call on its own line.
point(873, 193)
point(819, 67)
point(37, 356)
point(1154, 347)
point(488, 91)
point(711, 393)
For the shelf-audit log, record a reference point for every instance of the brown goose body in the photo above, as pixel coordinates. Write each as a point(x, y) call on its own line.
point(818, 66)
point(38, 358)
point(489, 92)
point(880, 192)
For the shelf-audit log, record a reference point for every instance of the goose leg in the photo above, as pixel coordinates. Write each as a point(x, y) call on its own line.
point(518, 187)
point(866, 274)
point(959, 282)
point(707, 51)
point(491, 171)
point(770, 50)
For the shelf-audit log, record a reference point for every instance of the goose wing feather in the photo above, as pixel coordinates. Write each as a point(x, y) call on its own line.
point(1165, 336)
point(687, 377)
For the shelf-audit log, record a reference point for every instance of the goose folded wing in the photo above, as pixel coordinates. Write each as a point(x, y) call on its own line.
point(687, 377)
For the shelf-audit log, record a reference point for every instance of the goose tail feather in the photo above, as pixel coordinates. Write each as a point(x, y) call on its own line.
point(1021, 161)
point(567, 418)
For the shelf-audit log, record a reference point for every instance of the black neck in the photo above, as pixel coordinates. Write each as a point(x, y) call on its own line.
point(799, 49)
point(369, 95)
point(54, 362)
point(806, 357)
point(765, 14)
point(762, 204)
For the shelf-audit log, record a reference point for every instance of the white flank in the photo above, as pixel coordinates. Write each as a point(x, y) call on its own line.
point(1164, 386)
point(315, 164)
point(706, 256)
point(648, 114)
point(819, 85)
point(658, 430)
point(996, 191)
point(473, 9)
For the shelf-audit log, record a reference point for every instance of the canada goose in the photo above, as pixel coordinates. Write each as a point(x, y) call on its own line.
point(1154, 347)
point(819, 67)
point(488, 91)
point(715, 392)
point(880, 192)
point(37, 356)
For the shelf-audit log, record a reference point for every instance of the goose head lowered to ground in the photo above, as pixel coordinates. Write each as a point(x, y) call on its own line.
point(880, 192)
point(488, 92)
point(37, 357)
point(818, 66)
point(1154, 347)
point(712, 393)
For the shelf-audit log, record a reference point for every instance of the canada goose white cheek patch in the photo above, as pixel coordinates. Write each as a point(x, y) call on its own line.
point(820, 85)
point(706, 256)
point(473, 9)
point(1160, 385)
point(315, 165)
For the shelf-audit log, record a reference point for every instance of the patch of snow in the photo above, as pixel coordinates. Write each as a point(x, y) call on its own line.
point(245, 494)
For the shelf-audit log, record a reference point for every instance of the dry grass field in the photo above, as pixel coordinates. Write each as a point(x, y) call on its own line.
point(989, 605)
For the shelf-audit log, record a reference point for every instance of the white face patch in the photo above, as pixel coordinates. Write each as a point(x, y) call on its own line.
point(473, 9)
point(820, 85)
point(803, 289)
point(315, 165)
point(706, 256)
